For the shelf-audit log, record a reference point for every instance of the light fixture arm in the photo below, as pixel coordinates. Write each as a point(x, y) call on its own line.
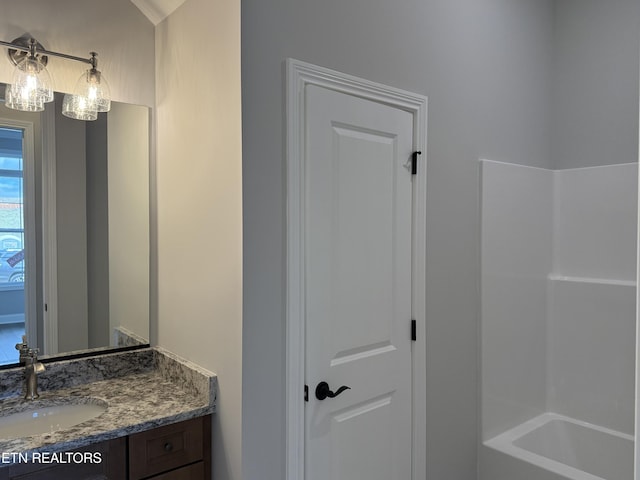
point(93, 60)
point(31, 46)
point(64, 55)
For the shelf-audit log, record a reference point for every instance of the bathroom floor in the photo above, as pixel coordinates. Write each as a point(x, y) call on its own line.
point(10, 334)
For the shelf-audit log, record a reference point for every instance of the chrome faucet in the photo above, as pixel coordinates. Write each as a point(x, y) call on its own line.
point(23, 348)
point(31, 370)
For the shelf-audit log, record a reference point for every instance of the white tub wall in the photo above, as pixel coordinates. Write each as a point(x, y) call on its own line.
point(591, 359)
point(565, 446)
point(591, 320)
point(516, 259)
point(496, 465)
point(595, 221)
point(551, 350)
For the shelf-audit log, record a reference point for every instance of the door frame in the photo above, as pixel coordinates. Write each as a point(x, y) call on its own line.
point(298, 76)
point(29, 199)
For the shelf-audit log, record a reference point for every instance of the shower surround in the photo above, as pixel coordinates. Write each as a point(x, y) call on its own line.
point(558, 320)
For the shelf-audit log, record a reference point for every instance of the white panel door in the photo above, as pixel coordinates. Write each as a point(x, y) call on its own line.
point(358, 211)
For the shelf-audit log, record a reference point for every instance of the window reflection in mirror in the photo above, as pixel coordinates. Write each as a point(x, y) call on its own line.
point(12, 240)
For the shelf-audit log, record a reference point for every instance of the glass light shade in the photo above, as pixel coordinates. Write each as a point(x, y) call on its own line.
point(94, 87)
point(17, 102)
point(31, 86)
point(79, 108)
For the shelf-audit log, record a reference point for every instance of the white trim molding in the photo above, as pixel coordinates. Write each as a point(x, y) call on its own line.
point(298, 76)
point(49, 233)
point(636, 454)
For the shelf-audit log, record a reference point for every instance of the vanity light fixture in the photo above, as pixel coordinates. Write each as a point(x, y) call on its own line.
point(31, 85)
point(90, 96)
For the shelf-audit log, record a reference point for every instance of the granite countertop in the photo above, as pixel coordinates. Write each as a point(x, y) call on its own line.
point(143, 389)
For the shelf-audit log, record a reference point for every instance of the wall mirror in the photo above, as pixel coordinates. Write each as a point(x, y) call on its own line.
point(74, 230)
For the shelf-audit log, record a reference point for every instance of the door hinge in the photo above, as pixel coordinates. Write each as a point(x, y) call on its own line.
point(414, 162)
point(414, 335)
point(306, 393)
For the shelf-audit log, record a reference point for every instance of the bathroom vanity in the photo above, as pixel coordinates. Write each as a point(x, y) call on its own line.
point(152, 420)
point(180, 451)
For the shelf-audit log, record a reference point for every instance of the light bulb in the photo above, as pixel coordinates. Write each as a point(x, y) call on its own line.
point(31, 86)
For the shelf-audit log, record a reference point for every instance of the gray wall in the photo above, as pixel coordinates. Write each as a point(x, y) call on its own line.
point(595, 113)
point(71, 229)
point(485, 66)
point(97, 233)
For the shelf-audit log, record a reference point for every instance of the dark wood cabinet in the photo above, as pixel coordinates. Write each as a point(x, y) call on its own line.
point(169, 448)
point(112, 465)
point(180, 451)
point(192, 472)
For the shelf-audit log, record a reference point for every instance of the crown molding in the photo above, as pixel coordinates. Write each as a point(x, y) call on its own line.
point(157, 10)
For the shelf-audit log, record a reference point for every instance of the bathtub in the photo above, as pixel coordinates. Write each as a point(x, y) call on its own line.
point(563, 448)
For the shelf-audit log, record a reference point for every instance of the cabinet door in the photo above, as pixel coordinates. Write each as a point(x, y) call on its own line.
point(167, 448)
point(108, 462)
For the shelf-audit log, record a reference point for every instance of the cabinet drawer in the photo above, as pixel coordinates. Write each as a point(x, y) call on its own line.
point(166, 448)
point(192, 472)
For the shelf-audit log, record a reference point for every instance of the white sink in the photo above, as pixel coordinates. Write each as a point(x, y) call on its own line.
point(39, 417)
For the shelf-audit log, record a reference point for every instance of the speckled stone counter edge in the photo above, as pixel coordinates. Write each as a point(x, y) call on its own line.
point(186, 374)
point(71, 373)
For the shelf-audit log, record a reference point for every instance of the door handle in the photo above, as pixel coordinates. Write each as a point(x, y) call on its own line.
point(323, 391)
